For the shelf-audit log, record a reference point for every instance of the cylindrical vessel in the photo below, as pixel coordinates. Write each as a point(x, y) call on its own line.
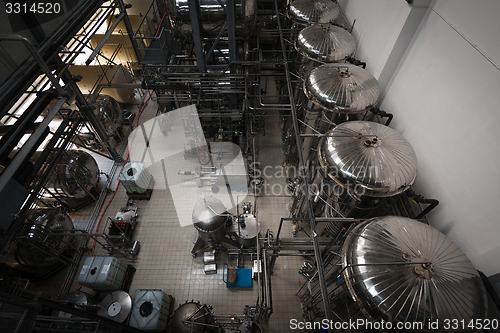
point(333, 93)
point(116, 306)
point(109, 113)
point(213, 16)
point(368, 158)
point(366, 166)
point(360, 169)
point(192, 317)
point(400, 270)
point(322, 43)
point(79, 300)
point(325, 42)
point(342, 88)
point(75, 175)
point(41, 246)
point(210, 219)
point(248, 230)
point(313, 11)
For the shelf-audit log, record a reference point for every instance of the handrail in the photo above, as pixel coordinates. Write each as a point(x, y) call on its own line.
point(38, 59)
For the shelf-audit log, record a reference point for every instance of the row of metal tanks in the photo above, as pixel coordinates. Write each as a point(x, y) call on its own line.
point(76, 174)
point(387, 269)
point(74, 181)
point(148, 311)
point(357, 167)
point(48, 238)
point(152, 310)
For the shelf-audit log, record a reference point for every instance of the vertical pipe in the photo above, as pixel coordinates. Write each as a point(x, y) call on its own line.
point(194, 15)
point(310, 119)
point(303, 174)
point(231, 33)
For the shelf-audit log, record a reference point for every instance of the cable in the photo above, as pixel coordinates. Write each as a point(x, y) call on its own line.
point(206, 153)
point(128, 153)
point(126, 158)
point(159, 25)
point(118, 183)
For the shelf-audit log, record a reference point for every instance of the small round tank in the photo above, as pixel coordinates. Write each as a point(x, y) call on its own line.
point(116, 306)
point(248, 230)
point(78, 299)
point(75, 175)
point(209, 218)
point(38, 248)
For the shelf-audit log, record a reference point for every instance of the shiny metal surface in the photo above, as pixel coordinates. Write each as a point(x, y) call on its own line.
point(109, 113)
point(115, 306)
point(209, 214)
point(209, 218)
point(213, 16)
point(313, 11)
point(36, 231)
point(368, 158)
point(342, 88)
point(191, 318)
point(447, 288)
point(325, 42)
point(77, 299)
point(75, 175)
point(248, 236)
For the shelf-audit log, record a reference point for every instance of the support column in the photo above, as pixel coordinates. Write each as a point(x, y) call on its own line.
point(194, 15)
point(231, 33)
point(130, 30)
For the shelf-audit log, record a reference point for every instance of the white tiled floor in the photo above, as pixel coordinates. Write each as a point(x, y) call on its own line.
point(165, 261)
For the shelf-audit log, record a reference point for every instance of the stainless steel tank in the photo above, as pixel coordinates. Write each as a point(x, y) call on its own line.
point(325, 43)
point(313, 11)
point(342, 88)
point(333, 93)
point(192, 317)
point(213, 16)
point(368, 158)
point(210, 219)
point(78, 299)
point(400, 270)
point(361, 168)
point(116, 306)
point(40, 245)
point(367, 166)
point(75, 175)
point(109, 113)
point(318, 44)
point(247, 230)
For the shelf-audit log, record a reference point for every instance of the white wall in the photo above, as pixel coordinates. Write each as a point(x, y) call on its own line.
point(445, 95)
point(377, 27)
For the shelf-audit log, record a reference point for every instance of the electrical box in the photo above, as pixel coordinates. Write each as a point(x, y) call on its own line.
point(102, 273)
